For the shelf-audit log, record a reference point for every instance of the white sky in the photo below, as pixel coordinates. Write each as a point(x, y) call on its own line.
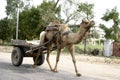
point(2, 8)
point(99, 8)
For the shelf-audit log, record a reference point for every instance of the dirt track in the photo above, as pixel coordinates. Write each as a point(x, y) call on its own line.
point(89, 71)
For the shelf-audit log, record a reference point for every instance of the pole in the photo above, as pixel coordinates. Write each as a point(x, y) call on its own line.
point(17, 23)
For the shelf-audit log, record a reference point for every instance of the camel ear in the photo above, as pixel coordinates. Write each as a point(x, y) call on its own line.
point(93, 22)
point(85, 21)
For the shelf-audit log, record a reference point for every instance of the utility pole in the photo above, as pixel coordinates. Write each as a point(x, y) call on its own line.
point(17, 26)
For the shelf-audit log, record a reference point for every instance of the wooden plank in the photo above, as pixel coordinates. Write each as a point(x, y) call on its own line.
point(19, 42)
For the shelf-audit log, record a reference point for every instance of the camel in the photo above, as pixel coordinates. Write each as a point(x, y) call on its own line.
point(67, 40)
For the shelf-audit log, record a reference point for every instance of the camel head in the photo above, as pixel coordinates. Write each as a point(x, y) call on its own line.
point(87, 24)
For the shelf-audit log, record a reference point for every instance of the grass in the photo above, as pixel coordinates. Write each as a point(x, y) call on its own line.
point(88, 47)
point(79, 48)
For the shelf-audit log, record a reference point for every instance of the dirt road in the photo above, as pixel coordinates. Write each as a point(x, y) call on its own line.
point(89, 71)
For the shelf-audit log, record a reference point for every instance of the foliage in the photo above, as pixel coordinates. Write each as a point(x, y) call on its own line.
point(86, 9)
point(11, 11)
point(32, 20)
point(28, 23)
point(108, 31)
point(4, 30)
point(114, 16)
point(48, 13)
point(12, 5)
point(76, 10)
point(111, 14)
point(80, 48)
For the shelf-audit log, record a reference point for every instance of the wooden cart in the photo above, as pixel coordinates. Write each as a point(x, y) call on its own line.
point(23, 49)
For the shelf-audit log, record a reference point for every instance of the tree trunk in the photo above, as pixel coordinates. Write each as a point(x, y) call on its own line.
point(2, 42)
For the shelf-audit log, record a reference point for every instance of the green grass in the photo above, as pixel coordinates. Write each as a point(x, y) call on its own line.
point(89, 48)
point(79, 48)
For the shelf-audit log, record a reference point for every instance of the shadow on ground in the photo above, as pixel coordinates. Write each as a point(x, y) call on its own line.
point(26, 72)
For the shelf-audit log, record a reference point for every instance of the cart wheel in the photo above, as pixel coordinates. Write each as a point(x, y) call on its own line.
point(17, 56)
point(40, 59)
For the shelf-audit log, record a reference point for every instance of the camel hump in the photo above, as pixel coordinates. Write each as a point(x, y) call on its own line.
point(54, 25)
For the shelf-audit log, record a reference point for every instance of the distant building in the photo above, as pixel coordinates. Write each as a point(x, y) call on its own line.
point(96, 35)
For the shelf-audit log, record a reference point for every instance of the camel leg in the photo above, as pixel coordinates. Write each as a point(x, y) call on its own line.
point(38, 54)
point(47, 58)
point(71, 49)
point(57, 59)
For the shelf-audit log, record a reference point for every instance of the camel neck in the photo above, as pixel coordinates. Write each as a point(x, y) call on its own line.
point(81, 35)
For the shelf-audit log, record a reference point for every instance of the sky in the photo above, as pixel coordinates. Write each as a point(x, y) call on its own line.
point(2, 8)
point(100, 7)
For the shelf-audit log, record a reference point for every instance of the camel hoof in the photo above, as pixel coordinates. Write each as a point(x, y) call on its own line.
point(78, 74)
point(55, 71)
point(33, 66)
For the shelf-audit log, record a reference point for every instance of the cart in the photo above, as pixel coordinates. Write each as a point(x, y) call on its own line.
point(22, 48)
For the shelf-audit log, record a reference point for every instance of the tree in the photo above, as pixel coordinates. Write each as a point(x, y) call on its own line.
point(86, 9)
point(12, 5)
point(69, 10)
point(48, 12)
point(28, 24)
point(4, 30)
point(114, 16)
point(108, 31)
point(32, 20)
point(11, 11)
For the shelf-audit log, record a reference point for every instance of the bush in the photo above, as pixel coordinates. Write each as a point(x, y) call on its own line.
point(89, 48)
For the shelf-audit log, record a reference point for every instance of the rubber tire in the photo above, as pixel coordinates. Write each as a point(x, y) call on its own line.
point(40, 59)
point(17, 56)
